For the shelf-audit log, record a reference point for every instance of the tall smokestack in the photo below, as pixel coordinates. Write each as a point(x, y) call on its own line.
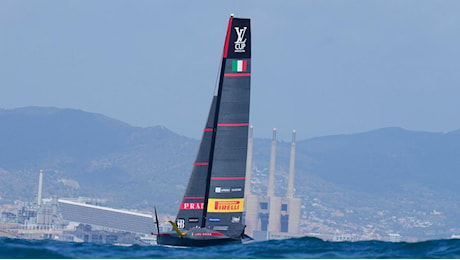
point(40, 187)
point(290, 189)
point(247, 185)
point(271, 176)
point(251, 202)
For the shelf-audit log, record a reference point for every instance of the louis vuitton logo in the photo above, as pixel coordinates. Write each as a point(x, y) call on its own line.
point(240, 43)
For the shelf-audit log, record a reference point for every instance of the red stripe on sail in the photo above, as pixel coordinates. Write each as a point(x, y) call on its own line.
point(228, 178)
point(201, 163)
point(237, 74)
point(208, 129)
point(227, 37)
point(239, 124)
point(245, 65)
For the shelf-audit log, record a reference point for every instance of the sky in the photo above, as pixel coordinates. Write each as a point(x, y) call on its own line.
point(320, 67)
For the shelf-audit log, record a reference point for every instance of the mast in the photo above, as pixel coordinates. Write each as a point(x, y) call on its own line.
point(216, 118)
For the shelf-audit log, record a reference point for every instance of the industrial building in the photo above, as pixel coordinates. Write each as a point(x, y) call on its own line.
point(76, 220)
point(107, 217)
point(269, 216)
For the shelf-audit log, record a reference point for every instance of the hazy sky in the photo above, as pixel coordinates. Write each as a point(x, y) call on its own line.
point(321, 67)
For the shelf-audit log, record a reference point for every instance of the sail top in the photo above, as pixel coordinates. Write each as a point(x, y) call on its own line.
point(238, 39)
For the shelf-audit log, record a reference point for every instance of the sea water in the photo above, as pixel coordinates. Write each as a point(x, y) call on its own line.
point(306, 247)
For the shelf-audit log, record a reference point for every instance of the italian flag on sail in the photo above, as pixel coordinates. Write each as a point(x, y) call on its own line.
point(239, 65)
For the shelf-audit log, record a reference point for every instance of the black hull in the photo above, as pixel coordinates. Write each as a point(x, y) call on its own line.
point(196, 237)
point(192, 242)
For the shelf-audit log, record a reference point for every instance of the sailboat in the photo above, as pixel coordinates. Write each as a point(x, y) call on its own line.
point(211, 212)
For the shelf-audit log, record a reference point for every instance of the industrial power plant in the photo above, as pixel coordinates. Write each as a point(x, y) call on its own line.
point(269, 216)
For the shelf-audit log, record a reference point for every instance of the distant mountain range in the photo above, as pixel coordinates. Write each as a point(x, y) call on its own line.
point(386, 180)
point(87, 154)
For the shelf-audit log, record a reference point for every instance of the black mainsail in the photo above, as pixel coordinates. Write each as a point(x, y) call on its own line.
point(191, 210)
point(212, 206)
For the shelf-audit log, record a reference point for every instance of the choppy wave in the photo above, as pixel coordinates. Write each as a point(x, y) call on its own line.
point(306, 247)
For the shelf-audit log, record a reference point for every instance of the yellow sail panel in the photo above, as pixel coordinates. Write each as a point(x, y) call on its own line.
point(225, 205)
